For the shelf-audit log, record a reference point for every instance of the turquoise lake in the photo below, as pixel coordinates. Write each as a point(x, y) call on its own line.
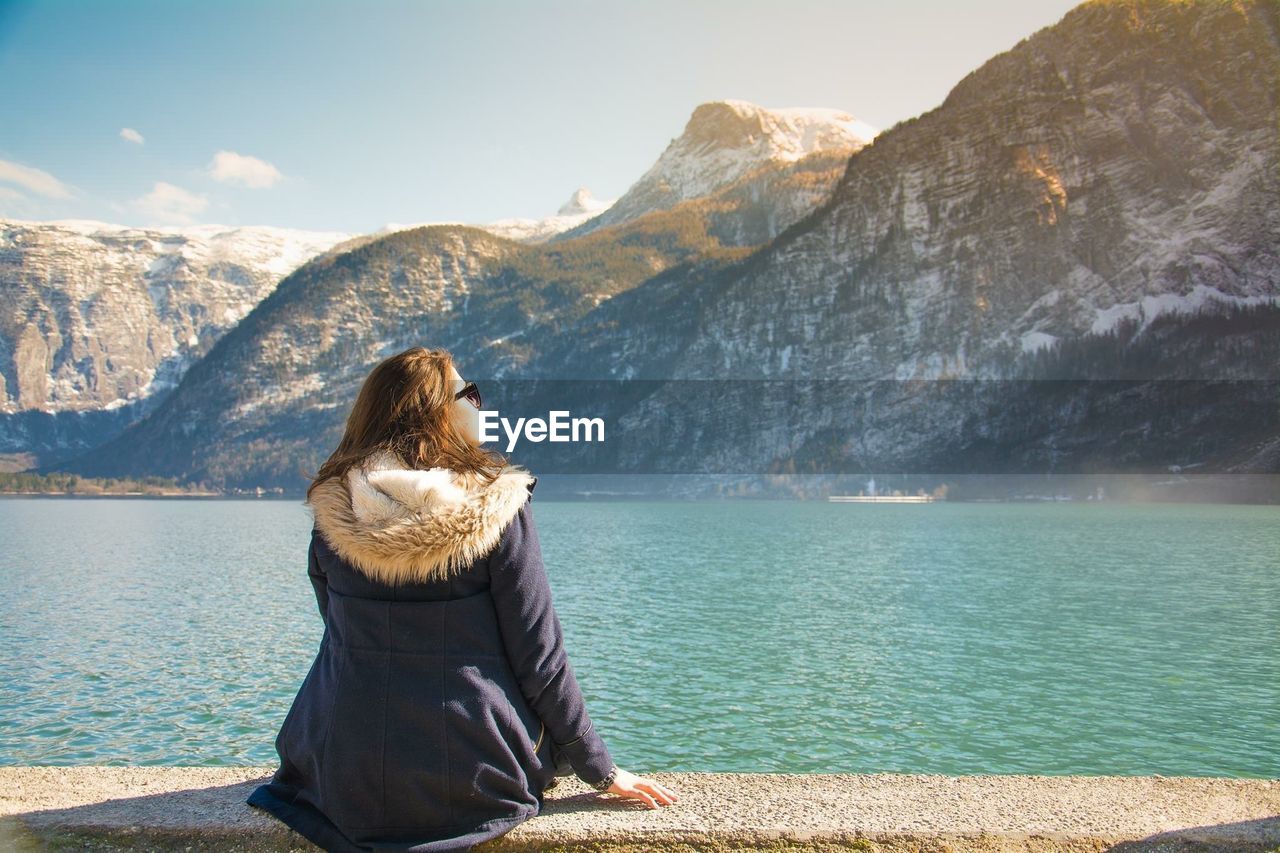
point(1052, 638)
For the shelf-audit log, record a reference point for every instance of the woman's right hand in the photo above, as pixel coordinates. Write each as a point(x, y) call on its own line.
point(640, 788)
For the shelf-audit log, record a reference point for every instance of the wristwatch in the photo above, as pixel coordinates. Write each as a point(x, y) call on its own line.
point(607, 782)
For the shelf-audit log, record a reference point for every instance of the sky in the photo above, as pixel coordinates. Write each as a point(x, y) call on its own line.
point(347, 116)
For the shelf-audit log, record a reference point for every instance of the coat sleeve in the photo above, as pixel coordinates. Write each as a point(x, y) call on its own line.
point(534, 641)
point(319, 581)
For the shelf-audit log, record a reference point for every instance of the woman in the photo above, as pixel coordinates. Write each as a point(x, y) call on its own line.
point(441, 704)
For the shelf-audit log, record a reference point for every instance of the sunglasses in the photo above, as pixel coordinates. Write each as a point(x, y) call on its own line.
point(472, 393)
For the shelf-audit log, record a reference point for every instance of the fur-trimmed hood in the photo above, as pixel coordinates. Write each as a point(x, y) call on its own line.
point(401, 525)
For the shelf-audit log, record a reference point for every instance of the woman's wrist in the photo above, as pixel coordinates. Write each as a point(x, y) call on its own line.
point(607, 782)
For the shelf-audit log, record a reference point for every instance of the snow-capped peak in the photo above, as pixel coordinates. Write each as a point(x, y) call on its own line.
point(582, 202)
point(724, 141)
point(790, 132)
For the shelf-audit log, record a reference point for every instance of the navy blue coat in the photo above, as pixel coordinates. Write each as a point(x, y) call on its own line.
point(441, 703)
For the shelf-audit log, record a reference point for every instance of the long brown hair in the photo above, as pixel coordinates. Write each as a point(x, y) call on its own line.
point(403, 407)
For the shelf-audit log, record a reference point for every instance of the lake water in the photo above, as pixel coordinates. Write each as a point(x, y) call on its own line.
point(1050, 638)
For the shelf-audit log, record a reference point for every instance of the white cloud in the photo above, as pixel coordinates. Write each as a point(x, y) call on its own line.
point(130, 135)
point(232, 168)
point(35, 180)
point(169, 204)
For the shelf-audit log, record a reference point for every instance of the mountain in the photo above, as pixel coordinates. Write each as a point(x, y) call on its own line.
point(99, 321)
point(582, 203)
point(1119, 165)
point(1122, 163)
point(1067, 266)
point(734, 143)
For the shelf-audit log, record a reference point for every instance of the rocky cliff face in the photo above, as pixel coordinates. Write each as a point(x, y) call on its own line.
point(1056, 218)
point(97, 322)
point(1122, 163)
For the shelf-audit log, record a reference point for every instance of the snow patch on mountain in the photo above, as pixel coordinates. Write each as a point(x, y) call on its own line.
point(278, 251)
point(1032, 341)
point(1149, 307)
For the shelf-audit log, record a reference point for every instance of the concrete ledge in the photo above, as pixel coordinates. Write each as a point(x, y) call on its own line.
point(203, 808)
